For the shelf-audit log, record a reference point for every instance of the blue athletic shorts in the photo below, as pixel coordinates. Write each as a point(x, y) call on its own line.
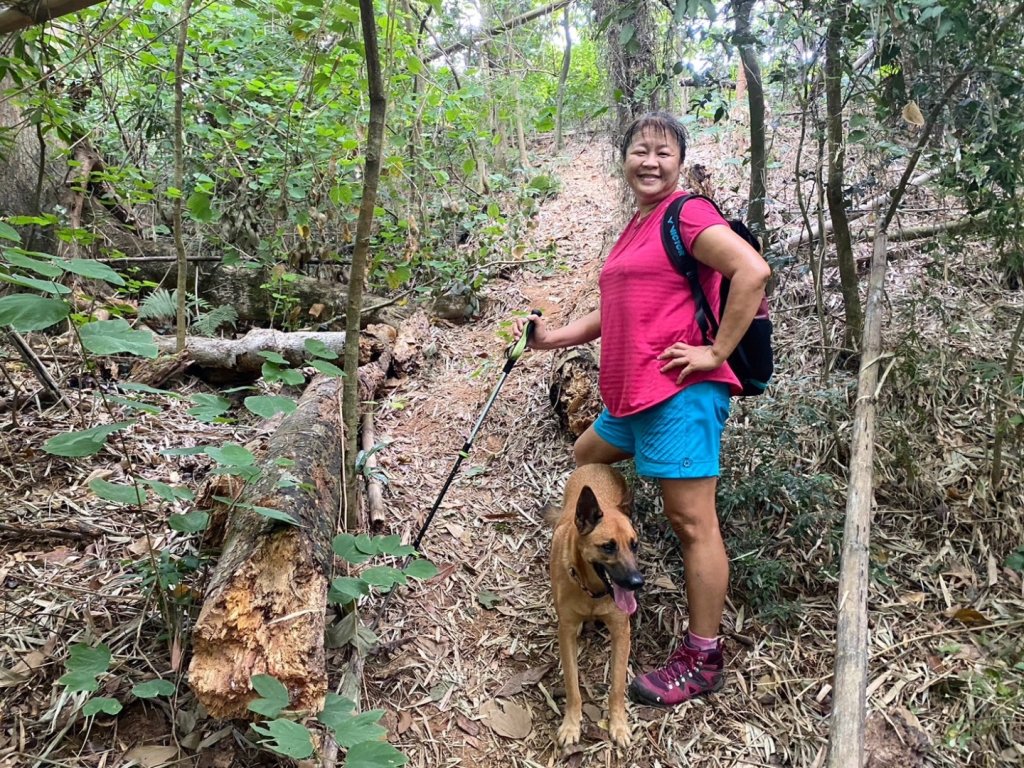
point(679, 438)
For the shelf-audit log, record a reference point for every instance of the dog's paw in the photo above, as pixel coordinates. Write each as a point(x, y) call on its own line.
point(569, 731)
point(618, 729)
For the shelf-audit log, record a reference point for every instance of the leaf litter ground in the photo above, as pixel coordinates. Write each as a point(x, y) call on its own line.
point(468, 672)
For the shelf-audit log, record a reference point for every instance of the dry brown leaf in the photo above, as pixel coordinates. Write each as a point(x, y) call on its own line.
point(971, 617)
point(912, 113)
point(520, 680)
point(153, 755)
point(404, 722)
point(507, 719)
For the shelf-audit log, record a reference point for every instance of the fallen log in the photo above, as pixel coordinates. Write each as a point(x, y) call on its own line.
point(573, 392)
point(264, 607)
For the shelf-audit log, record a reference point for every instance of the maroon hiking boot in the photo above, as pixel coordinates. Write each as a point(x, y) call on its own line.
point(689, 672)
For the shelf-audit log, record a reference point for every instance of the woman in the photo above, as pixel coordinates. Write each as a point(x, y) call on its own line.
point(666, 394)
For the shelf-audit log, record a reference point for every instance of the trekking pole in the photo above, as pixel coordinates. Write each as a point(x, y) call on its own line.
point(512, 354)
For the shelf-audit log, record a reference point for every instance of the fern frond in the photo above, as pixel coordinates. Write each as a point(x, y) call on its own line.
point(208, 324)
point(159, 305)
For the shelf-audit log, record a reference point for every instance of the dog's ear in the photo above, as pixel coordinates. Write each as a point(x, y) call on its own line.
point(588, 511)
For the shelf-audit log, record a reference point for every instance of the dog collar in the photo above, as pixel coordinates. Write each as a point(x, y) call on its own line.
point(581, 585)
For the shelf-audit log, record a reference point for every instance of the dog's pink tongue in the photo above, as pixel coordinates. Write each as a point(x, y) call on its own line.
point(624, 599)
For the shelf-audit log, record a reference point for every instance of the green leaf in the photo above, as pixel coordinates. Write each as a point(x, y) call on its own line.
point(337, 709)
point(153, 688)
point(209, 407)
point(7, 232)
point(392, 545)
point(383, 576)
point(168, 492)
point(326, 368)
point(83, 443)
point(275, 696)
point(273, 357)
point(193, 451)
point(200, 208)
point(374, 754)
point(121, 494)
point(268, 512)
point(317, 348)
point(487, 599)
point(103, 704)
point(113, 337)
point(231, 454)
point(27, 312)
point(269, 406)
point(131, 386)
point(344, 546)
point(287, 738)
point(85, 664)
point(46, 286)
point(367, 545)
point(346, 589)
point(94, 270)
point(192, 522)
point(22, 260)
point(357, 728)
point(135, 405)
point(421, 569)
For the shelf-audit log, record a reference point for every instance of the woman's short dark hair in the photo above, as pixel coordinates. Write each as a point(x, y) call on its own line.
point(663, 123)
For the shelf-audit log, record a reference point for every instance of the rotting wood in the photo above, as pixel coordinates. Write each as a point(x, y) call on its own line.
point(413, 335)
point(242, 356)
point(573, 391)
point(264, 608)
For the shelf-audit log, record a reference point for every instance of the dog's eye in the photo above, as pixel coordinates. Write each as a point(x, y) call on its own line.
point(634, 545)
point(611, 547)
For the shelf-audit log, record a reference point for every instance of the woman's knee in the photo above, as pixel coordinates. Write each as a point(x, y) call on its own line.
point(591, 448)
point(690, 508)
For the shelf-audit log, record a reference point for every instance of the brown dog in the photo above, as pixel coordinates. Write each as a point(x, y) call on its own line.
point(593, 576)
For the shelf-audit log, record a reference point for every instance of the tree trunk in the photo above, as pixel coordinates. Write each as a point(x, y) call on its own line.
point(497, 29)
point(181, 324)
point(364, 228)
point(27, 14)
point(563, 78)
point(751, 71)
point(631, 58)
point(264, 608)
point(848, 280)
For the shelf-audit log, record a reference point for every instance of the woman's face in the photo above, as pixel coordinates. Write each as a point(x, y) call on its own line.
point(652, 166)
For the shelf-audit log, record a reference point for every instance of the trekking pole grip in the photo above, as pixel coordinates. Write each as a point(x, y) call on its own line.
point(515, 351)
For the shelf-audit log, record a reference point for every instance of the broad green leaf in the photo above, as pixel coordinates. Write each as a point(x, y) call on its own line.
point(344, 546)
point(273, 357)
point(392, 545)
point(231, 454)
point(83, 443)
point(168, 492)
point(345, 589)
point(153, 688)
point(287, 738)
point(356, 728)
point(209, 407)
point(44, 268)
point(103, 704)
point(113, 337)
point(131, 386)
point(383, 576)
point(274, 696)
point(46, 286)
point(200, 208)
point(374, 754)
point(94, 270)
point(421, 569)
point(488, 599)
point(85, 664)
point(27, 312)
point(121, 494)
point(337, 709)
point(192, 522)
point(269, 406)
point(328, 369)
point(7, 232)
point(268, 512)
point(367, 544)
point(319, 349)
point(135, 405)
point(193, 451)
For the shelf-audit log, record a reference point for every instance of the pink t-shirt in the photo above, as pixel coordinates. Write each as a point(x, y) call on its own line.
point(646, 306)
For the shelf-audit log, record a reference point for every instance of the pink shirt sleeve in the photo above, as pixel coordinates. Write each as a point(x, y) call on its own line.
point(696, 216)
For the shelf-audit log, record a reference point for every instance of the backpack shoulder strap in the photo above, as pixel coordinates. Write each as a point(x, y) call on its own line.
point(685, 264)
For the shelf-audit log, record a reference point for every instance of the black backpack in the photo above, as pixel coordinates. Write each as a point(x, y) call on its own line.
point(751, 361)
